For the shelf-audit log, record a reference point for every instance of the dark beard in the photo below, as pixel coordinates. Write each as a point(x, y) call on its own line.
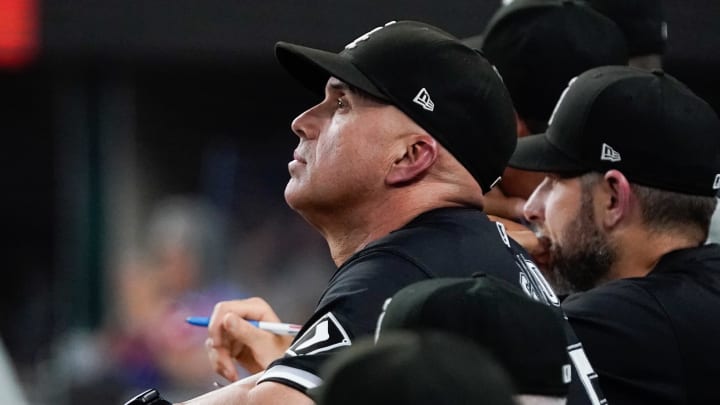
point(585, 259)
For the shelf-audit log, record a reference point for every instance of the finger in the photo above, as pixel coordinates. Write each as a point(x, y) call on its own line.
point(239, 332)
point(221, 361)
point(250, 309)
point(256, 308)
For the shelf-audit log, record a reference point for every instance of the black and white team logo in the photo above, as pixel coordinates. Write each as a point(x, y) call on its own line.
point(325, 334)
point(366, 36)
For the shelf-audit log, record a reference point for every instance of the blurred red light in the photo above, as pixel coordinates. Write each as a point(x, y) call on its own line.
point(18, 32)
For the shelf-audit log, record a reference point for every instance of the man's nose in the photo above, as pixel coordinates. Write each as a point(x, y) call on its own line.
point(534, 209)
point(306, 125)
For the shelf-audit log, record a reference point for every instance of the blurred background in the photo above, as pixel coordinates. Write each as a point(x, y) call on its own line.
point(146, 155)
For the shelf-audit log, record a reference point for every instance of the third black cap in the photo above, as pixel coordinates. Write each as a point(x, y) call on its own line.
point(539, 45)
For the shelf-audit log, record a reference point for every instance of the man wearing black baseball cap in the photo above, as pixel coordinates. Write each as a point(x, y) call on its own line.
point(390, 168)
point(633, 163)
point(538, 46)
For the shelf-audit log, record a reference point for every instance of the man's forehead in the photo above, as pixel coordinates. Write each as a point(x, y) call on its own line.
point(335, 84)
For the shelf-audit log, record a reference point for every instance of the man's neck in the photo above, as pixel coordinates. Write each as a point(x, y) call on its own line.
point(347, 230)
point(640, 251)
point(346, 237)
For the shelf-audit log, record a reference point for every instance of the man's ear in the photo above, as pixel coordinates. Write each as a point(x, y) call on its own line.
point(618, 204)
point(420, 153)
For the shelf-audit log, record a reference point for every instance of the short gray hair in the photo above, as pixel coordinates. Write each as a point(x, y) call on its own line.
point(664, 210)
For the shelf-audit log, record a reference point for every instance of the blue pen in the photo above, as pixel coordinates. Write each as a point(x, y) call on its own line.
point(274, 327)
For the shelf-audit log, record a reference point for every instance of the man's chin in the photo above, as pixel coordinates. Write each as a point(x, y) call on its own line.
point(292, 194)
point(559, 283)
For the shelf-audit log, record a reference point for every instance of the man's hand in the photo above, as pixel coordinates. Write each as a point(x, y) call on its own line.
point(500, 205)
point(538, 248)
point(231, 338)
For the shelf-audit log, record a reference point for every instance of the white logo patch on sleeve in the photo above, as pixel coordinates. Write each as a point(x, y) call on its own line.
point(325, 334)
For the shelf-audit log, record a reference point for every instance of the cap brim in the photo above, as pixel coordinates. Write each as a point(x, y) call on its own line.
point(313, 67)
point(535, 153)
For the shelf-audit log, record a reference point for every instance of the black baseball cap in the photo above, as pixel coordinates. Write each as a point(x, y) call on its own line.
point(525, 336)
point(642, 22)
point(648, 125)
point(539, 45)
point(407, 368)
point(449, 89)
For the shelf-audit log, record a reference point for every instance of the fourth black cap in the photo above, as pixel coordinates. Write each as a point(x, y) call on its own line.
point(449, 89)
point(648, 125)
point(525, 336)
point(432, 368)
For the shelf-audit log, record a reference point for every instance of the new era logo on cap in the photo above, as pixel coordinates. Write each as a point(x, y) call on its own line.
point(423, 100)
point(609, 154)
point(716, 183)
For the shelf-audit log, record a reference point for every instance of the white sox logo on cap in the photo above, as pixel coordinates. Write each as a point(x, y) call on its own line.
point(365, 36)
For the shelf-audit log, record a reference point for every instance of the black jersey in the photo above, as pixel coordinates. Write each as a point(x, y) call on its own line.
point(656, 339)
point(448, 242)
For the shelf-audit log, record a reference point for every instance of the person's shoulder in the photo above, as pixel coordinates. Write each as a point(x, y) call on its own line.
point(440, 228)
point(369, 263)
point(439, 221)
point(675, 270)
point(610, 297)
point(704, 259)
point(620, 312)
point(375, 271)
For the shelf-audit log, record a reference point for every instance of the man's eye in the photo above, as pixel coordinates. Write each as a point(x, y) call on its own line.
point(341, 103)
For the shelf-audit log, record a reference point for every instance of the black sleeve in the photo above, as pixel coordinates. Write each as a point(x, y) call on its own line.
point(630, 343)
point(348, 310)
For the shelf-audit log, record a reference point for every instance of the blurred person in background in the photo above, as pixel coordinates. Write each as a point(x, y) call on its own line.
point(181, 274)
point(176, 273)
